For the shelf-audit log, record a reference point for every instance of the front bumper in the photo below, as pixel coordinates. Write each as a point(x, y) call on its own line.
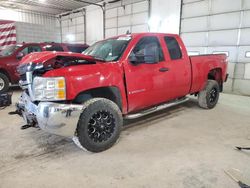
point(60, 119)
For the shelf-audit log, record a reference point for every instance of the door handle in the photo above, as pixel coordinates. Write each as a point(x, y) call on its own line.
point(163, 69)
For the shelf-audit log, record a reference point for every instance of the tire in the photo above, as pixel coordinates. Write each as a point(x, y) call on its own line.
point(4, 83)
point(99, 125)
point(209, 97)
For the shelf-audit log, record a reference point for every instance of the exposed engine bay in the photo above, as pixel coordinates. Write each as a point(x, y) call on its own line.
point(38, 69)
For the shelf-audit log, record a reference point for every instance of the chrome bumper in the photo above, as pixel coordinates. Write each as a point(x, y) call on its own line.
point(60, 119)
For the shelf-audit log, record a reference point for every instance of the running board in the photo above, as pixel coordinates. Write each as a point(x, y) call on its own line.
point(156, 108)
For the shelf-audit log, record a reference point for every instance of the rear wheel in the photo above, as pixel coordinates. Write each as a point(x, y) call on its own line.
point(99, 125)
point(209, 97)
point(4, 83)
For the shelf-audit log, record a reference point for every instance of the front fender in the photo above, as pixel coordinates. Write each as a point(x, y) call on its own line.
point(81, 78)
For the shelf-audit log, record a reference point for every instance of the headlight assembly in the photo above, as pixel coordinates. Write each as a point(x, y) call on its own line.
point(49, 89)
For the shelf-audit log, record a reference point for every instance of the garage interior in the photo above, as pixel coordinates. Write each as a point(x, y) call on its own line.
point(182, 146)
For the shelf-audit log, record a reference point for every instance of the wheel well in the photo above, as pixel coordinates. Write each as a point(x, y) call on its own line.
point(3, 71)
point(111, 93)
point(216, 74)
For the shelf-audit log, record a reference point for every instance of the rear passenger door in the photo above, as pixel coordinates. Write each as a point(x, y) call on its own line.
point(179, 68)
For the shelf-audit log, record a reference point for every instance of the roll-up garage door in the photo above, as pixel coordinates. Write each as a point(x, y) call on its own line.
point(126, 15)
point(220, 26)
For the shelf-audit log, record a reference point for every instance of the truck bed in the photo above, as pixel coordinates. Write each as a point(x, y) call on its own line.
point(201, 65)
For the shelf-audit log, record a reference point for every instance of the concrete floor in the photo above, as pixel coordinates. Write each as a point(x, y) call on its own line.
point(184, 146)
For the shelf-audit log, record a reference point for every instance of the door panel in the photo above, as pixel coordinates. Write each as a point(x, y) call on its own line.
point(146, 83)
point(179, 77)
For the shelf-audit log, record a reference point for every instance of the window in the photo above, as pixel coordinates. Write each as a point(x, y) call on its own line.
point(247, 54)
point(30, 49)
point(149, 50)
point(173, 48)
point(77, 49)
point(108, 50)
point(54, 48)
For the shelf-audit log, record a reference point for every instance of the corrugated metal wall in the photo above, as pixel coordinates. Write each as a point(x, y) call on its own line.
point(120, 17)
point(73, 25)
point(126, 16)
point(220, 26)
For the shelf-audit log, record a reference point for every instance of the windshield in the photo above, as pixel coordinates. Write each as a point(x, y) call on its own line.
point(9, 50)
point(108, 50)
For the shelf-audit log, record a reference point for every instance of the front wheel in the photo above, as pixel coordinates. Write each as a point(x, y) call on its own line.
point(4, 83)
point(209, 96)
point(99, 125)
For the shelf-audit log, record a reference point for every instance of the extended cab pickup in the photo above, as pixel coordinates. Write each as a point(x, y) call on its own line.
point(86, 96)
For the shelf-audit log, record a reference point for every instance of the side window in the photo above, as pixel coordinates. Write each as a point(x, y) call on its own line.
point(34, 49)
point(25, 51)
point(30, 49)
point(148, 49)
point(54, 48)
point(173, 48)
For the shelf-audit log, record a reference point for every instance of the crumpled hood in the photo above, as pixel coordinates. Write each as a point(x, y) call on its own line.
point(41, 57)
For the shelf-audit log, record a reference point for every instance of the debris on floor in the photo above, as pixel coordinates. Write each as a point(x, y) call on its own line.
point(242, 180)
point(242, 148)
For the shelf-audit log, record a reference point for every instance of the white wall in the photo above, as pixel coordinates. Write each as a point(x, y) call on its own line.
point(73, 27)
point(94, 17)
point(32, 27)
point(27, 32)
point(220, 26)
point(165, 16)
point(124, 15)
point(127, 15)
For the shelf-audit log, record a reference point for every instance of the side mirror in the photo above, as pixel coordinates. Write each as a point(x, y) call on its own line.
point(20, 55)
point(147, 59)
point(133, 59)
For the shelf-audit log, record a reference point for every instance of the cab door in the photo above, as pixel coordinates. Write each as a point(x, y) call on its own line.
point(145, 72)
point(178, 64)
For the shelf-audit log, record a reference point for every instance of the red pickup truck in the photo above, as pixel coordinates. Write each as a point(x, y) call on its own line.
point(86, 96)
point(11, 56)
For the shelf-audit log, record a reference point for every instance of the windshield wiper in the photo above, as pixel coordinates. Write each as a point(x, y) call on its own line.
point(97, 58)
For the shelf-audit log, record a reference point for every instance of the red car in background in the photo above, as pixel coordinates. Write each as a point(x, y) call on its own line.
point(10, 57)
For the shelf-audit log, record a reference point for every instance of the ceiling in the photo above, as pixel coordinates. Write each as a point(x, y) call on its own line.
point(45, 6)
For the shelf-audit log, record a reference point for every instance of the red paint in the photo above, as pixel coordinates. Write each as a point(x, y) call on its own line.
point(8, 64)
point(143, 85)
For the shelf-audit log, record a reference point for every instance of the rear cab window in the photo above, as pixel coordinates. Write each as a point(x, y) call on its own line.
point(76, 49)
point(173, 47)
point(52, 47)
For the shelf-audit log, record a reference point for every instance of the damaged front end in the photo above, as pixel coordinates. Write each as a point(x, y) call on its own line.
point(43, 101)
point(56, 118)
